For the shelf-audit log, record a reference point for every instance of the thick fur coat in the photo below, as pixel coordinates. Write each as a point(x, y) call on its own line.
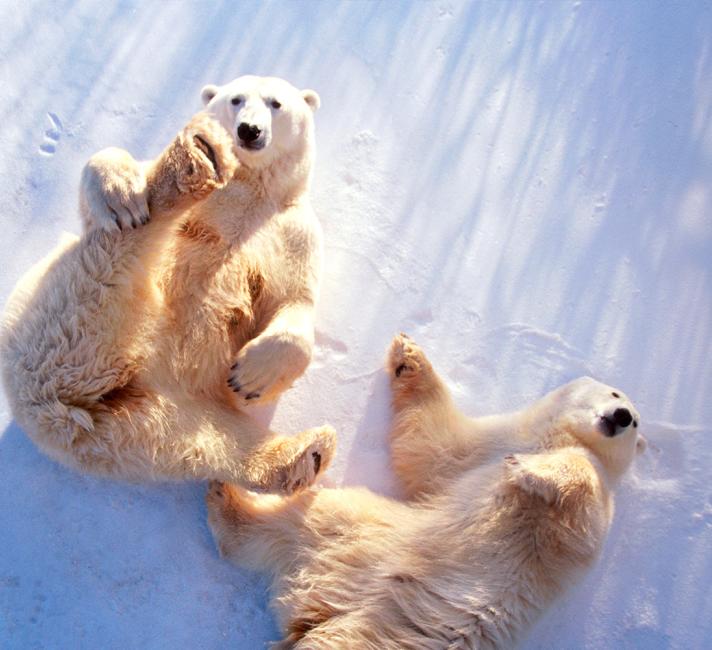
point(133, 350)
point(505, 512)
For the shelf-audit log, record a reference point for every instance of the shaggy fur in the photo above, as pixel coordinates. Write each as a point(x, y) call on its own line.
point(132, 351)
point(509, 510)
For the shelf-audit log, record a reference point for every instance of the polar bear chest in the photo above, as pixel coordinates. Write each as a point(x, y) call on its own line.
point(217, 292)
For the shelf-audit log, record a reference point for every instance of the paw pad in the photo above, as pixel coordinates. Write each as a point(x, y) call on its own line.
point(204, 150)
point(317, 461)
point(202, 144)
point(405, 357)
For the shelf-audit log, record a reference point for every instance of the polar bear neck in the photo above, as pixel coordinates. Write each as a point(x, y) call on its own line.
point(610, 464)
point(283, 177)
point(534, 429)
point(255, 195)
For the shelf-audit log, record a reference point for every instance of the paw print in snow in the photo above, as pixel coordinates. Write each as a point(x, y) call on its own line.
point(52, 135)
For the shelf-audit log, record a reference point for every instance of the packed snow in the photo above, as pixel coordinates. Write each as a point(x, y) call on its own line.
point(523, 187)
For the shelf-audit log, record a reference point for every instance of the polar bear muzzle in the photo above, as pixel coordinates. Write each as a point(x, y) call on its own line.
point(616, 422)
point(250, 136)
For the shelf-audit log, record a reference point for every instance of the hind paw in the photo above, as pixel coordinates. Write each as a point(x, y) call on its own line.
point(309, 463)
point(405, 359)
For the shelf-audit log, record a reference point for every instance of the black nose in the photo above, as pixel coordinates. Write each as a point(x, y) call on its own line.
point(622, 417)
point(248, 132)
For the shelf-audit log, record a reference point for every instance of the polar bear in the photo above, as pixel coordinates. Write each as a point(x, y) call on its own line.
point(132, 351)
point(506, 511)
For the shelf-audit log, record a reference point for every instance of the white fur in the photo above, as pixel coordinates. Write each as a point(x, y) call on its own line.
point(507, 511)
point(282, 134)
point(189, 296)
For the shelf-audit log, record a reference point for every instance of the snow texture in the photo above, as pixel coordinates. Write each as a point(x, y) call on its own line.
point(525, 188)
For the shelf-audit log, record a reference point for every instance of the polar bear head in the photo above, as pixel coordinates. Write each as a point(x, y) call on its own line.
point(600, 417)
point(268, 117)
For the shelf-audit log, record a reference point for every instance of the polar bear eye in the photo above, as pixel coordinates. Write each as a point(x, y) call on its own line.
point(236, 101)
point(614, 394)
point(275, 104)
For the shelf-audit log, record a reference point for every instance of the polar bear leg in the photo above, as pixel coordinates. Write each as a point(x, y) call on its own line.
point(259, 531)
point(318, 546)
point(565, 477)
point(112, 191)
point(430, 441)
point(268, 364)
point(88, 324)
point(117, 193)
point(269, 531)
point(86, 329)
point(136, 433)
point(287, 464)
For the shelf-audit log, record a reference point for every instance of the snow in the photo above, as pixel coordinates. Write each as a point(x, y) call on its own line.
point(523, 187)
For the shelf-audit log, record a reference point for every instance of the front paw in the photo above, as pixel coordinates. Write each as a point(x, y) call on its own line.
point(267, 367)
point(113, 191)
point(203, 156)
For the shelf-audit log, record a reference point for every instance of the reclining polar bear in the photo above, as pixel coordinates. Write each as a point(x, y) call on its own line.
point(506, 511)
point(131, 351)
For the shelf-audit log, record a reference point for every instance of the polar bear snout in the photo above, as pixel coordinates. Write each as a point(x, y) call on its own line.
point(614, 423)
point(622, 417)
point(251, 136)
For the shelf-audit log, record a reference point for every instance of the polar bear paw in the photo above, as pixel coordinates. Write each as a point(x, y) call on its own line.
point(315, 450)
point(523, 474)
point(113, 192)
point(227, 515)
point(559, 477)
point(267, 366)
point(406, 360)
point(202, 156)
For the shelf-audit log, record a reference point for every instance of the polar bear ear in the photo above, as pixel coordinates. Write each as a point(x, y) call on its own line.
point(312, 99)
point(208, 92)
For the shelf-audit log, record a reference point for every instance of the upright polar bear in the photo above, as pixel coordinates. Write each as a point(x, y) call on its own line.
point(506, 511)
point(132, 351)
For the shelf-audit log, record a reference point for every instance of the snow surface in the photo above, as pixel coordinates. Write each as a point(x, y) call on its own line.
point(525, 188)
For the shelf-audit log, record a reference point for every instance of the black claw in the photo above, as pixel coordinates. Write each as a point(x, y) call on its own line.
point(254, 395)
point(400, 369)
